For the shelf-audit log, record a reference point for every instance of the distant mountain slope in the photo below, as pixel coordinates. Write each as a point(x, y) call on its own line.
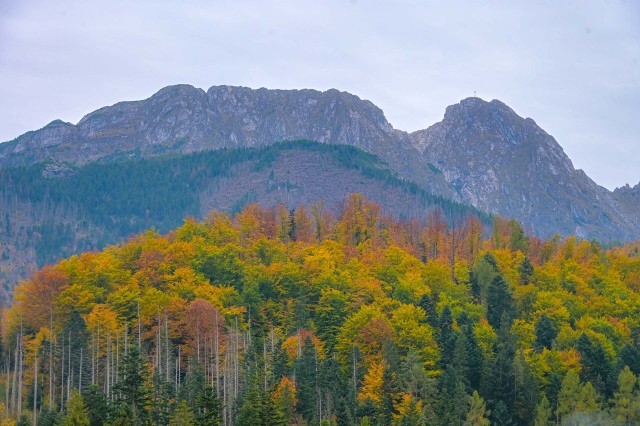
point(52, 210)
point(183, 119)
point(502, 163)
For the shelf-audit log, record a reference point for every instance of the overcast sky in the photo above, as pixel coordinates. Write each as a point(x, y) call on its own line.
point(573, 66)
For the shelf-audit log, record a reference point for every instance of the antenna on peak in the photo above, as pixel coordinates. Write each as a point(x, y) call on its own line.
point(474, 94)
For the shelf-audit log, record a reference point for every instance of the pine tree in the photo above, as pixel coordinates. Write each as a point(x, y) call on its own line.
point(477, 414)
point(77, 413)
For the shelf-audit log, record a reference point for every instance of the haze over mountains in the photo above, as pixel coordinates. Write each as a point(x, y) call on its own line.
point(482, 154)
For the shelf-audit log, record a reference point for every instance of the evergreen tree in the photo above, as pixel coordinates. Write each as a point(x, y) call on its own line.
point(501, 382)
point(478, 413)
point(258, 407)
point(50, 417)
point(626, 402)
point(499, 302)
point(446, 337)
point(569, 395)
point(526, 390)
point(543, 413)
point(97, 405)
point(596, 367)
point(501, 415)
point(209, 408)
point(77, 413)
point(428, 305)
point(451, 407)
point(389, 394)
point(525, 270)
point(588, 400)
point(460, 361)
point(630, 356)
point(183, 416)
point(546, 333)
point(134, 390)
point(475, 358)
point(307, 381)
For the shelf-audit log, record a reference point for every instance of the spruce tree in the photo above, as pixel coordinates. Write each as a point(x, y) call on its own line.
point(183, 416)
point(546, 333)
point(77, 413)
point(306, 381)
point(209, 408)
point(134, 390)
point(97, 405)
point(499, 302)
point(478, 413)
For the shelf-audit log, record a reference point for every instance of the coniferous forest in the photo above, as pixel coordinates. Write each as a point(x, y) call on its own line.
point(305, 317)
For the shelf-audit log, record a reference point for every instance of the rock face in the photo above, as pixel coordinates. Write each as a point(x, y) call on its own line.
point(502, 163)
point(481, 153)
point(183, 119)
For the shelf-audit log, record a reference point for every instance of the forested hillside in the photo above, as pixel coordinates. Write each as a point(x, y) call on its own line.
point(281, 316)
point(53, 210)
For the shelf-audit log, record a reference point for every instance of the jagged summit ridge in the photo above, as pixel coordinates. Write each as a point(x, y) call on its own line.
point(482, 152)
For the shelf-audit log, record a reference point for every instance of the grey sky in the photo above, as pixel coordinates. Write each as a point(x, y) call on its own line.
point(573, 66)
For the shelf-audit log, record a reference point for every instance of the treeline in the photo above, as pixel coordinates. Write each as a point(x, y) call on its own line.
point(303, 317)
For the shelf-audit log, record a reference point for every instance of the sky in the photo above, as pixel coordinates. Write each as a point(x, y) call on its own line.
point(572, 66)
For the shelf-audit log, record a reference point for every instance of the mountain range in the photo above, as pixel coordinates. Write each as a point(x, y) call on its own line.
point(183, 151)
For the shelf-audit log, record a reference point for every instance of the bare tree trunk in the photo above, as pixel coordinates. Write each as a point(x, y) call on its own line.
point(35, 388)
point(80, 372)
point(20, 375)
point(217, 350)
point(139, 330)
point(69, 371)
point(7, 382)
point(51, 344)
point(166, 336)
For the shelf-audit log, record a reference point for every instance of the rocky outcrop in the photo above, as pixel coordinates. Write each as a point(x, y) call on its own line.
point(502, 163)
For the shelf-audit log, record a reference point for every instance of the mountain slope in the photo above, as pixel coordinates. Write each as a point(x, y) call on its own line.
point(505, 164)
point(183, 119)
point(482, 153)
point(52, 211)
